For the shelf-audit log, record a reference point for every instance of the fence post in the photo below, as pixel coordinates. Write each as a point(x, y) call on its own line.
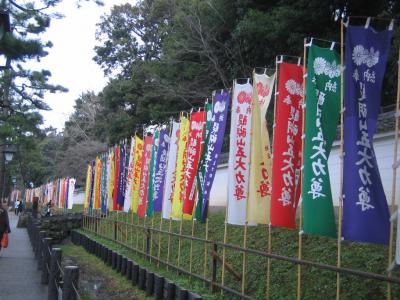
point(42, 236)
point(214, 267)
point(115, 230)
point(46, 248)
point(71, 278)
point(54, 278)
point(148, 240)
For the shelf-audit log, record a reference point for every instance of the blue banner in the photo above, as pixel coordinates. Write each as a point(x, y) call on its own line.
point(215, 139)
point(160, 170)
point(365, 210)
point(121, 179)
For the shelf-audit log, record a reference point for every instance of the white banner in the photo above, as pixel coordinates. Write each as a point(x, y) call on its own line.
point(170, 176)
point(239, 153)
point(129, 178)
point(71, 190)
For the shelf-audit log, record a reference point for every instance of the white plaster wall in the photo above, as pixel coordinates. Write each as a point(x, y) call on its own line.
point(384, 147)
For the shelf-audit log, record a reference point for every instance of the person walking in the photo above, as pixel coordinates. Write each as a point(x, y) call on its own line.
point(4, 223)
point(16, 205)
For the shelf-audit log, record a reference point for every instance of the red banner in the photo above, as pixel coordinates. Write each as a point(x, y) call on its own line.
point(287, 146)
point(144, 178)
point(197, 122)
point(116, 177)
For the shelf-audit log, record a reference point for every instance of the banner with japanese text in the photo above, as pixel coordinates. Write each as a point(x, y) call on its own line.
point(150, 192)
point(104, 192)
point(201, 170)
point(195, 138)
point(144, 177)
point(136, 173)
point(179, 186)
point(259, 199)
point(365, 209)
point(71, 190)
point(110, 178)
point(116, 176)
point(129, 176)
point(87, 186)
point(239, 153)
point(92, 181)
point(97, 184)
point(122, 176)
point(160, 170)
point(321, 120)
point(287, 146)
point(171, 168)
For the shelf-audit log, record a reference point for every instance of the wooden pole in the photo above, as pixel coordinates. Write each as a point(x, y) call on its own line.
point(269, 263)
point(179, 242)
point(151, 237)
point(144, 233)
point(244, 259)
point(300, 254)
point(394, 179)
point(191, 252)
point(137, 232)
point(159, 240)
point(169, 240)
point(223, 249)
point(339, 238)
point(205, 252)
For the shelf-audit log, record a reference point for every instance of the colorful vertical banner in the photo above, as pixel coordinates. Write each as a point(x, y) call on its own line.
point(129, 177)
point(144, 177)
point(87, 186)
point(195, 138)
point(259, 199)
point(171, 168)
point(116, 176)
point(150, 193)
point(103, 189)
point(321, 120)
point(365, 211)
point(122, 176)
point(239, 153)
point(136, 173)
point(287, 146)
point(179, 185)
point(71, 190)
point(201, 170)
point(160, 170)
point(110, 179)
point(92, 184)
point(97, 184)
point(214, 145)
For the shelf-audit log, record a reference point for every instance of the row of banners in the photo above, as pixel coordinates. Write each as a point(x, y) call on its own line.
point(174, 172)
point(60, 193)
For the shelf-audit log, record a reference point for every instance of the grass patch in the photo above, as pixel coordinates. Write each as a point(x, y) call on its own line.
point(283, 278)
point(111, 284)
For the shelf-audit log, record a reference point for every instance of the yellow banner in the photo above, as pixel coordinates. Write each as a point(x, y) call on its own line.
point(137, 162)
point(88, 183)
point(97, 184)
point(178, 194)
point(259, 197)
point(110, 179)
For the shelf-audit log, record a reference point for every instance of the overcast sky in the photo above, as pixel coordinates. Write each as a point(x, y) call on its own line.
point(70, 59)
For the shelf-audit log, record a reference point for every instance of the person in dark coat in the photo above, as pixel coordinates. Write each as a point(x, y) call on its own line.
point(4, 223)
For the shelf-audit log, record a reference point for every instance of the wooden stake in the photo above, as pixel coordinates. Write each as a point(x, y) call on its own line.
point(191, 252)
point(223, 250)
point(205, 252)
point(179, 242)
point(151, 237)
point(159, 240)
point(394, 179)
point(339, 238)
point(131, 227)
point(144, 232)
point(300, 254)
point(269, 262)
point(137, 233)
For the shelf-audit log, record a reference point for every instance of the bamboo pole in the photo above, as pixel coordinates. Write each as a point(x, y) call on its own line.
point(339, 238)
point(300, 252)
point(151, 237)
point(137, 232)
point(179, 243)
point(394, 179)
point(159, 241)
point(269, 263)
point(205, 252)
point(144, 232)
point(244, 258)
point(191, 252)
point(131, 227)
point(117, 224)
point(169, 240)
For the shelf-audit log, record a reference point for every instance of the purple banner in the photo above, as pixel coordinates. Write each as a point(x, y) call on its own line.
point(160, 170)
point(215, 139)
point(365, 211)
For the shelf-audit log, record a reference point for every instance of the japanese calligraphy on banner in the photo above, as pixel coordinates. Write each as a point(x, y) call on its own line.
point(195, 137)
point(71, 189)
point(260, 158)
point(87, 187)
point(179, 189)
point(239, 153)
point(97, 184)
point(365, 211)
point(287, 146)
point(170, 174)
point(201, 170)
point(129, 177)
point(154, 150)
point(104, 192)
point(136, 173)
point(322, 116)
point(144, 177)
point(121, 180)
point(160, 169)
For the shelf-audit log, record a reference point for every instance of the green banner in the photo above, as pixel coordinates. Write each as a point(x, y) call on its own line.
point(201, 170)
point(322, 115)
point(150, 191)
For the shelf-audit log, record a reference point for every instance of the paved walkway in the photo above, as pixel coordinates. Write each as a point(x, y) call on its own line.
point(19, 276)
